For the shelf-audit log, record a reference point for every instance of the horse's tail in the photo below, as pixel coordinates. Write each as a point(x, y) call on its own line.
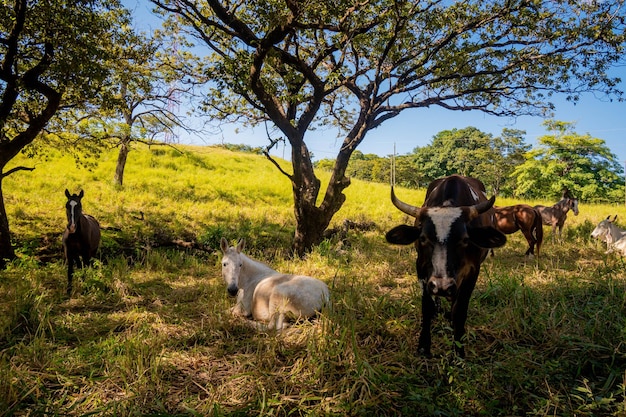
point(537, 230)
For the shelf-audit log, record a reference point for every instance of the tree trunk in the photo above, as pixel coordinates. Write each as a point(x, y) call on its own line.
point(121, 162)
point(311, 220)
point(6, 248)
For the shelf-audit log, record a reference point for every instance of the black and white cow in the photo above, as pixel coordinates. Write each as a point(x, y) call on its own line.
point(453, 233)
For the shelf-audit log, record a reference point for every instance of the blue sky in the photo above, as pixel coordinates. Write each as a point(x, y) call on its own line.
point(416, 127)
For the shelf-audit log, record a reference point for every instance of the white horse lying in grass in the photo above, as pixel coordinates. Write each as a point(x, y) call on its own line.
point(267, 295)
point(614, 237)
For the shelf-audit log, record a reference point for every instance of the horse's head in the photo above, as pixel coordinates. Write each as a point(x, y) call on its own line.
point(606, 230)
point(73, 209)
point(603, 230)
point(231, 265)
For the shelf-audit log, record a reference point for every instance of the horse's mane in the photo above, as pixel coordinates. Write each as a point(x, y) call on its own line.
point(256, 268)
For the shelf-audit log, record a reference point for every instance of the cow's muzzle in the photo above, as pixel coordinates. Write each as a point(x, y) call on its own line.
point(445, 287)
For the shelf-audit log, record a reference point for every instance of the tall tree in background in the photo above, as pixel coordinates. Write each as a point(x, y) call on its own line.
point(472, 153)
point(51, 58)
point(565, 159)
point(455, 151)
point(140, 100)
point(508, 152)
point(353, 65)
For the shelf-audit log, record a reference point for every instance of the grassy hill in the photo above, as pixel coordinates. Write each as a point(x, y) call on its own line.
point(148, 331)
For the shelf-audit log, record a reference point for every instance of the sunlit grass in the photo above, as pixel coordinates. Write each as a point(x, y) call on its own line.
point(148, 329)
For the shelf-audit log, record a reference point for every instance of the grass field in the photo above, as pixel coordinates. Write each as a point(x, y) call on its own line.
point(147, 330)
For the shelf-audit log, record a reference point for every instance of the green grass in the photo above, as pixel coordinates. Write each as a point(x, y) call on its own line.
point(148, 329)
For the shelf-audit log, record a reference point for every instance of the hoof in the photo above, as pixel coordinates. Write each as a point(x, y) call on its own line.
point(425, 353)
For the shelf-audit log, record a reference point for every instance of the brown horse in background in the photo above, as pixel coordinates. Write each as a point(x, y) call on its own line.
point(81, 237)
point(522, 217)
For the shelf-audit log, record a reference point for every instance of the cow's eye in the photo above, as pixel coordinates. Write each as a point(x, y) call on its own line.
point(423, 240)
point(464, 242)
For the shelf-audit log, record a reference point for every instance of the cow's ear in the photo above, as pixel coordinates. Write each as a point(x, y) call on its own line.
point(403, 234)
point(486, 237)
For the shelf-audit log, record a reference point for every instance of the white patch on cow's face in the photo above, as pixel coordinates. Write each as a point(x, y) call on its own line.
point(442, 218)
point(439, 262)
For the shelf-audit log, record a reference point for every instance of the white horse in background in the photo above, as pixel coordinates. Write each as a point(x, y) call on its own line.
point(614, 237)
point(267, 295)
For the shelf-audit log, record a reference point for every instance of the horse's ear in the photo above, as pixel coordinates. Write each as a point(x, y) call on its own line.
point(224, 244)
point(67, 193)
point(241, 244)
point(81, 194)
point(567, 194)
point(614, 218)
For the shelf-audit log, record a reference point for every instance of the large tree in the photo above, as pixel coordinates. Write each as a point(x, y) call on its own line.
point(474, 153)
point(141, 99)
point(566, 160)
point(354, 64)
point(51, 58)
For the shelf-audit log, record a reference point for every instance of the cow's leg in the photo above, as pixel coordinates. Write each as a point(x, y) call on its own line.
point(459, 313)
point(428, 313)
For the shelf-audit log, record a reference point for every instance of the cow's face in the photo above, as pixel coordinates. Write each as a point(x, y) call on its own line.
point(448, 246)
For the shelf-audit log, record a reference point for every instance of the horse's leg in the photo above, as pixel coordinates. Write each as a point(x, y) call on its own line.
point(280, 320)
point(527, 232)
point(537, 232)
point(278, 304)
point(85, 257)
point(70, 273)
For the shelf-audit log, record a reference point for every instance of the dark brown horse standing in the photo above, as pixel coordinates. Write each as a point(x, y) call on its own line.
point(81, 237)
point(555, 215)
point(522, 217)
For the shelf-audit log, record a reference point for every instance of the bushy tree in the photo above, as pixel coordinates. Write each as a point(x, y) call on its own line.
point(369, 167)
point(52, 57)
point(564, 159)
point(140, 100)
point(472, 153)
point(300, 65)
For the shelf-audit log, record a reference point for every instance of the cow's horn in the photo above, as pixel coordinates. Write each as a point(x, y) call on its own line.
point(480, 208)
point(404, 207)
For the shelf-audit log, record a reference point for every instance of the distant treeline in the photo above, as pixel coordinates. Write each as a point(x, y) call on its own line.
point(506, 164)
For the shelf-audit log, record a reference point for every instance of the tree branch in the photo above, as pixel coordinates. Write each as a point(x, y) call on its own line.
point(19, 168)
